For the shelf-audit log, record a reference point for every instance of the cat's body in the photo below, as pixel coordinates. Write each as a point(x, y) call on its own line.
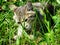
point(25, 16)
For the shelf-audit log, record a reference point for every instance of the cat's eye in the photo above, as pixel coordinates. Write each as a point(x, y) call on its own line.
point(19, 22)
point(26, 19)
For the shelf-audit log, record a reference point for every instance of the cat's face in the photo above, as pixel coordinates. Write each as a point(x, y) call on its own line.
point(22, 15)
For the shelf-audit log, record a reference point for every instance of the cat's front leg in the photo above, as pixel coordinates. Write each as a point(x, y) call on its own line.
point(19, 32)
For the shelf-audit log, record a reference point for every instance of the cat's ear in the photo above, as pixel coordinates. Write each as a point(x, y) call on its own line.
point(37, 5)
point(12, 7)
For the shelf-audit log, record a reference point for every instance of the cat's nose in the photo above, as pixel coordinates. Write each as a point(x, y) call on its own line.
point(28, 26)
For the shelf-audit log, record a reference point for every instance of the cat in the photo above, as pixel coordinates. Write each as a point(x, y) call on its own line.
point(24, 16)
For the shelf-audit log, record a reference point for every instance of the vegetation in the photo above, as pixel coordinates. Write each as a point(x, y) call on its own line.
point(8, 27)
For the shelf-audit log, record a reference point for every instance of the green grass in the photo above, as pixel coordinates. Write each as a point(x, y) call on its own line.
point(8, 28)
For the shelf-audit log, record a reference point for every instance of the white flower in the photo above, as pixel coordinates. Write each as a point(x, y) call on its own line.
point(20, 0)
point(5, 0)
point(31, 36)
point(15, 37)
point(58, 1)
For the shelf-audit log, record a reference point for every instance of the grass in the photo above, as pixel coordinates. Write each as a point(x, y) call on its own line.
point(8, 28)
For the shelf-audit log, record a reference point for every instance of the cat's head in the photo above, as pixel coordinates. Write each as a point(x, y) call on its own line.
point(22, 15)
